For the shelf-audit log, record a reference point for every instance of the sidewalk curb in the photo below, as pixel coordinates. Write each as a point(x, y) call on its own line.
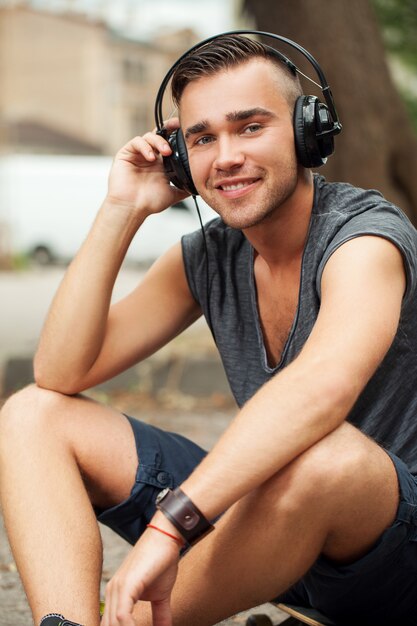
point(196, 376)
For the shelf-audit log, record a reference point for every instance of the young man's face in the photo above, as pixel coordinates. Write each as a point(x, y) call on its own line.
point(239, 134)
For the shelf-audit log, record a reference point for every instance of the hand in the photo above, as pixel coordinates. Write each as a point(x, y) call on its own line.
point(137, 178)
point(148, 573)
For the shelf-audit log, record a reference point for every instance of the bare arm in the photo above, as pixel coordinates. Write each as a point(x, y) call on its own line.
point(84, 341)
point(362, 289)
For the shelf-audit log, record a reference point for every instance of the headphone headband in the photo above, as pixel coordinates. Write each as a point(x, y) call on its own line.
point(325, 88)
point(314, 122)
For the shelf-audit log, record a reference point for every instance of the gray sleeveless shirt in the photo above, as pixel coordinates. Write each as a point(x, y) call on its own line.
point(387, 408)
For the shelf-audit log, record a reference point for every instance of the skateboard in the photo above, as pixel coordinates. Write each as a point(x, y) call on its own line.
point(298, 615)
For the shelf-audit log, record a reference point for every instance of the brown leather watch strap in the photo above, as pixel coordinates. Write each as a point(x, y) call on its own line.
point(184, 515)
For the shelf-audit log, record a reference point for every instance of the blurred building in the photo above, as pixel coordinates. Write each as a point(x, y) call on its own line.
point(70, 85)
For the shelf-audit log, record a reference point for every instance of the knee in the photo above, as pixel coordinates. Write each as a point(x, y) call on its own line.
point(334, 464)
point(324, 471)
point(27, 413)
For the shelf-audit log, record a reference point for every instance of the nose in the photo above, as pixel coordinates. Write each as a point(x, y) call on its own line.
point(229, 154)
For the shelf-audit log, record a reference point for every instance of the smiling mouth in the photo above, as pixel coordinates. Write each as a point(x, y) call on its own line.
point(235, 186)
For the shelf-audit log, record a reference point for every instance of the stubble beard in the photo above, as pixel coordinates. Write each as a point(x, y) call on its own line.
point(243, 213)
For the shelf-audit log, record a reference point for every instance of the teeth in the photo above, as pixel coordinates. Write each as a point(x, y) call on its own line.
point(233, 187)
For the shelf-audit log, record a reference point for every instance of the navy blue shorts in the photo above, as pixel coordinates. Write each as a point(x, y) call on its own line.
point(165, 460)
point(378, 589)
point(381, 587)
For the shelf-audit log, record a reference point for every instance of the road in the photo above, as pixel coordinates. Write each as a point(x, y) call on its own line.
point(25, 298)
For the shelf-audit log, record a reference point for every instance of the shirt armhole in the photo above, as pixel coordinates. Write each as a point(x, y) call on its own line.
point(406, 261)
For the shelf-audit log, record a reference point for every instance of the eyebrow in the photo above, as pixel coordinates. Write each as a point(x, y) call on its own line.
point(234, 116)
point(238, 116)
point(200, 127)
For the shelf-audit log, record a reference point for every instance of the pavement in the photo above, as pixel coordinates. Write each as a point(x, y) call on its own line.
point(183, 388)
point(189, 363)
point(25, 299)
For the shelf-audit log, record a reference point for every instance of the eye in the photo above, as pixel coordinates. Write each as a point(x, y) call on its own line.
point(252, 128)
point(204, 140)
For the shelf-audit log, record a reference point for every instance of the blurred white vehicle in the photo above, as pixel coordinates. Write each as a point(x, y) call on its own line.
point(48, 203)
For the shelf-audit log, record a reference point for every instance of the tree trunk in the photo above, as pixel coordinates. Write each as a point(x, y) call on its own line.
point(378, 147)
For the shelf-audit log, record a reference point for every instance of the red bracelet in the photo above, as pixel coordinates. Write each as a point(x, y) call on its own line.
point(164, 532)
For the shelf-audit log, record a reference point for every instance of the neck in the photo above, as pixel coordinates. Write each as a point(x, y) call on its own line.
point(282, 235)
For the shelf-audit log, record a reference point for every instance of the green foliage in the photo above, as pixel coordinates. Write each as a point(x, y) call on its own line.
point(398, 19)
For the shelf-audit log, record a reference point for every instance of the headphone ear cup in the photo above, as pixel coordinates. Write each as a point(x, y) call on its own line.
point(324, 122)
point(299, 132)
point(311, 117)
point(183, 155)
point(176, 165)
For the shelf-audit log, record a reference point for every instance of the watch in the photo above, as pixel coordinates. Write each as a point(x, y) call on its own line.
point(183, 514)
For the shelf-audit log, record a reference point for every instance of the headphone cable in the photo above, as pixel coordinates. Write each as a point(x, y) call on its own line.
point(209, 318)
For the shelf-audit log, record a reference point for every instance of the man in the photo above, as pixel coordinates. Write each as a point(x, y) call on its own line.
point(311, 290)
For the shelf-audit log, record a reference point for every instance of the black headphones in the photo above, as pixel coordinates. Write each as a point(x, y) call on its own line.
point(315, 123)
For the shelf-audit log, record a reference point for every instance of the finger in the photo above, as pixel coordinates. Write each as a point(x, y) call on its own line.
point(172, 123)
point(161, 613)
point(111, 605)
point(158, 142)
point(115, 618)
point(107, 617)
point(124, 610)
point(148, 147)
point(145, 146)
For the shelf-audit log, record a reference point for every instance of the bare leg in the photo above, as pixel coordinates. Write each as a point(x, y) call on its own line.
point(58, 454)
point(336, 498)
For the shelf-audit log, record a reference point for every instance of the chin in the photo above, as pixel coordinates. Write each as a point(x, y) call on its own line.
point(242, 222)
point(245, 216)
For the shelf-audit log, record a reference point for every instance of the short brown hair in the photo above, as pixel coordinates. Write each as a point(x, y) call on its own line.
point(230, 51)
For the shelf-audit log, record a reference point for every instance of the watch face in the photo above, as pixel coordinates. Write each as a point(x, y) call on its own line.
point(161, 495)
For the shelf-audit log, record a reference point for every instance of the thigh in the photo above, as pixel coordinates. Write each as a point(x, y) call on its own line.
point(124, 462)
point(63, 430)
point(354, 483)
point(101, 440)
point(165, 460)
point(378, 588)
